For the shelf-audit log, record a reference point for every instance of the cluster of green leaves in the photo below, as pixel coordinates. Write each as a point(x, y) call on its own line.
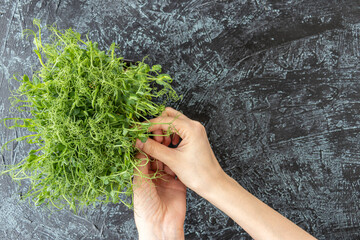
point(87, 108)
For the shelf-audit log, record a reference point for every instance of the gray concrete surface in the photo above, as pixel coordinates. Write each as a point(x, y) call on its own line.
point(276, 83)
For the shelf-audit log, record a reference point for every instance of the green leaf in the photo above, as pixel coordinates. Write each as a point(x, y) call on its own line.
point(36, 80)
point(26, 78)
point(156, 68)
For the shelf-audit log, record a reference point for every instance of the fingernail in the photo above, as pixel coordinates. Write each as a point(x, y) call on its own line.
point(139, 144)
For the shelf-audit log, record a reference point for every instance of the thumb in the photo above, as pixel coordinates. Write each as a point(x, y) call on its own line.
point(143, 167)
point(157, 151)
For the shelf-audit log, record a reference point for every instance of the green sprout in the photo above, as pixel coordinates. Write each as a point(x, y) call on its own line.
point(87, 109)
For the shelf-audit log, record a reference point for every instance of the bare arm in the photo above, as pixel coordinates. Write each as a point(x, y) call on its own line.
point(195, 164)
point(254, 216)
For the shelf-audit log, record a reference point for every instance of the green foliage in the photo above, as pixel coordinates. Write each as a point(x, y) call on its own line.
point(88, 107)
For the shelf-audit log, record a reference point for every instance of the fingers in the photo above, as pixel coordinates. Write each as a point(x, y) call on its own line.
point(156, 165)
point(168, 171)
point(175, 139)
point(169, 115)
point(170, 120)
point(139, 171)
point(157, 151)
point(179, 126)
point(173, 113)
point(160, 137)
point(167, 140)
point(157, 135)
point(143, 167)
point(157, 147)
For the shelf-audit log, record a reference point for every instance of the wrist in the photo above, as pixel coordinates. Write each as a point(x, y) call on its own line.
point(214, 185)
point(154, 233)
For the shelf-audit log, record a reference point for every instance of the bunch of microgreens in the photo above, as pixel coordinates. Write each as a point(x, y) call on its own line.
point(87, 108)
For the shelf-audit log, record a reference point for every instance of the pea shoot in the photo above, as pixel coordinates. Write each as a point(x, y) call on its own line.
point(87, 109)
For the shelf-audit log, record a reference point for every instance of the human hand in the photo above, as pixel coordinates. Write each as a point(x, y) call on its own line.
point(196, 166)
point(193, 160)
point(159, 203)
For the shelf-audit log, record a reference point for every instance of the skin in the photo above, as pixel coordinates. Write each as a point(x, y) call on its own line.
point(160, 205)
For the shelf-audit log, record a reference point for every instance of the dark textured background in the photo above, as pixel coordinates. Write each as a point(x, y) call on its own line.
point(276, 83)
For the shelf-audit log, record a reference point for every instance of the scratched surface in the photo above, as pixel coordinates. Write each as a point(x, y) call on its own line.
point(276, 83)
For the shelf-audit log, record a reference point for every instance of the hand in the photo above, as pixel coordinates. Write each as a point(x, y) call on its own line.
point(195, 165)
point(193, 160)
point(159, 203)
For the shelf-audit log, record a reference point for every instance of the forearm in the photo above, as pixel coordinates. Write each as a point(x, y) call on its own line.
point(254, 216)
